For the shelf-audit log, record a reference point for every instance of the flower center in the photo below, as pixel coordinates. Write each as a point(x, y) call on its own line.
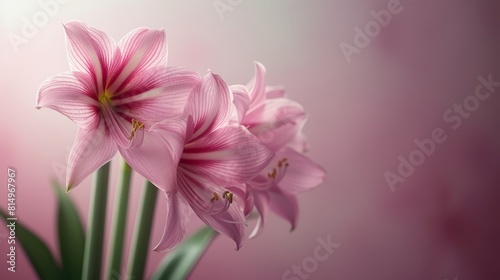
point(105, 98)
point(135, 126)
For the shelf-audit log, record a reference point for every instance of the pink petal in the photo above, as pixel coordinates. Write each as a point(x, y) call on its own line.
point(241, 102)
point(70, 95)
point(302, 173)
point(121, 129)
point(173, 131)
point(229, 223)
point(227, 155)
point(281, 121)
point(175, 224)
point(141, 49)
point(299, 143)
point(273, 92)
point(210, 105)
point(156, 93)
point(90, 51)
point(92, 149)
point(262, 201)
point(157, 157)
point(285, 206)
point(249, 201)
point(226, 218)
point(257, 87)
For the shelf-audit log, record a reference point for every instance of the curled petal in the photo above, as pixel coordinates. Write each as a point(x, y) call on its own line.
point(227, 155)
point(209, 104)
point(140, 49)
point(90, 51)
point(70, 95)
point(262, 201)
point(257, 87)
point(302, 175)
point(92, 149)
point(249, 201)
point(156, 93)
point(241, 102)
point(175, 224)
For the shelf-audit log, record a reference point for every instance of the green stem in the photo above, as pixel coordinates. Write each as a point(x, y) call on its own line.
point(119, 224)
point(95, 232)
point(140, 241)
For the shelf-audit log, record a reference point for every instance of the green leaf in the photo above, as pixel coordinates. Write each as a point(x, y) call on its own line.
point(71, 235)
point(179, 263)
point(38, 253)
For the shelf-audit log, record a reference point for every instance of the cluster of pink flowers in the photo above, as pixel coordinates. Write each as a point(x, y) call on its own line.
point(220, 150)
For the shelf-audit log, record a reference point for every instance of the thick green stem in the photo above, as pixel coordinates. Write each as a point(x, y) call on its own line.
point(140, 241)
point(119, 224)
point(95, 231)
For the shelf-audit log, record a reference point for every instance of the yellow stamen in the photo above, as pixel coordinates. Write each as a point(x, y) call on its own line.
point(215, 197)
point(276, 171)
point(228, 195)
point(135, 126)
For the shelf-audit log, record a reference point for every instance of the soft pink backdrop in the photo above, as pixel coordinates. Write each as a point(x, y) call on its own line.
point(441, 223)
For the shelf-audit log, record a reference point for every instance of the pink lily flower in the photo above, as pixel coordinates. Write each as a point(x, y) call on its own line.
point(277, 122)
point(115, 92)
point(216, 161)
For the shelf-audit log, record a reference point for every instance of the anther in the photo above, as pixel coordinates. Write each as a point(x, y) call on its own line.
point(136, 125)
point(228, 195)
point(215, 197)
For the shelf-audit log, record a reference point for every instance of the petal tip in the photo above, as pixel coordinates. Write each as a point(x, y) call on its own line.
point(158, 250)
point(238, 247)
point(163, 249)
point(259, 65)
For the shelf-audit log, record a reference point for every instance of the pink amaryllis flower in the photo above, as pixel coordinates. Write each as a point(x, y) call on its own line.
point(115, 92)
point(277, 122)
point(216, 161)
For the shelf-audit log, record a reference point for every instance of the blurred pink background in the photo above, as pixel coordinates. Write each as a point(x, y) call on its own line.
point(442, 222)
